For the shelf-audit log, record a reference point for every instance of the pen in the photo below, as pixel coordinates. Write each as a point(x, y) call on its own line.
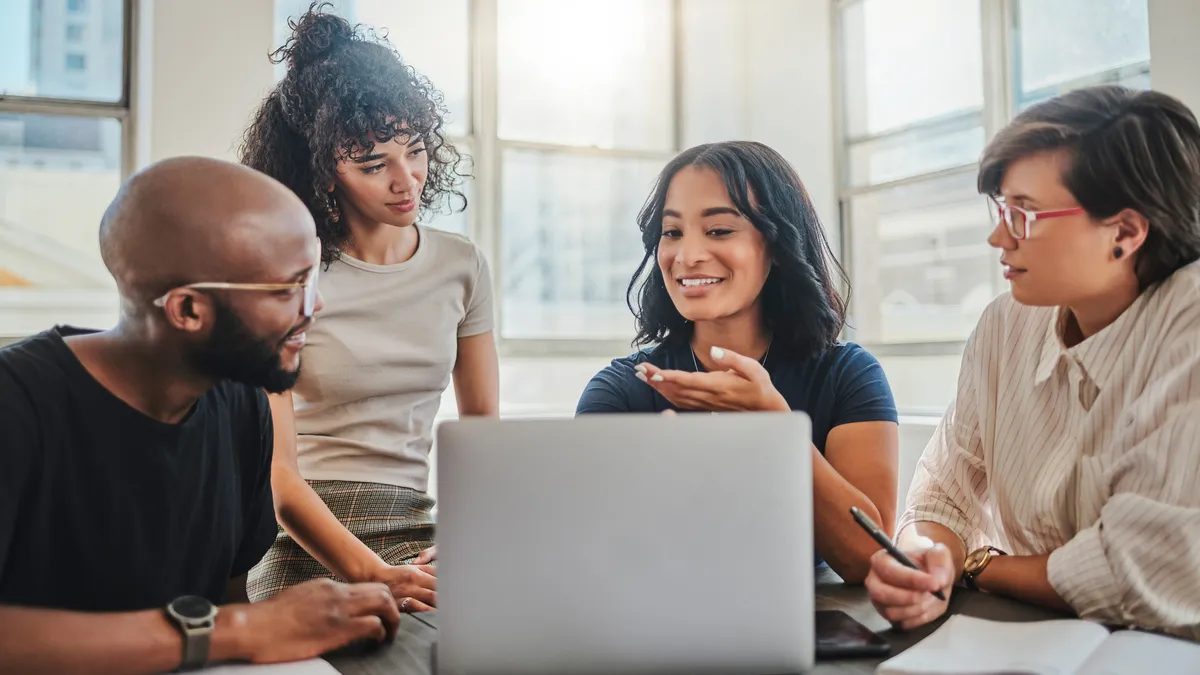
point(878, 535)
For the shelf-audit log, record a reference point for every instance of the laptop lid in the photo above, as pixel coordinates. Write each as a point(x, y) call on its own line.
point(625, 543)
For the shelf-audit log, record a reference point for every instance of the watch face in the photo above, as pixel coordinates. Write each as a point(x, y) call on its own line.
point(975, 560)
point(192, 607)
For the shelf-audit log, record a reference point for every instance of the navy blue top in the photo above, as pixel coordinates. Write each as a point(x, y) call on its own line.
point(842, 385)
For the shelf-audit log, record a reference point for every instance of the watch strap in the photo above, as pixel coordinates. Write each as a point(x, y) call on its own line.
point(196, 643)
point(969, 580)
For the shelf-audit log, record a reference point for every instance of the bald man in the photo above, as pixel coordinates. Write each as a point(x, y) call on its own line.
point(135, 462)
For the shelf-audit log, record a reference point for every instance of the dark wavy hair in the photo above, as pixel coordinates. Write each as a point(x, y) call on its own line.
point(345, 89)
point(802, 305)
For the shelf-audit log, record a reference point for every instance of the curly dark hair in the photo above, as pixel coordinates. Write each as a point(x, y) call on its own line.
point(802, 306)
point(345, 89)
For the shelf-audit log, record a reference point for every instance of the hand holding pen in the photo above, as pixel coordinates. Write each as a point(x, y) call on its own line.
point(906, 587)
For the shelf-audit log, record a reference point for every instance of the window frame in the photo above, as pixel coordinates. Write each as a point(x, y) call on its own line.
point(485, 224)
point(998, 19)
point(86, 300)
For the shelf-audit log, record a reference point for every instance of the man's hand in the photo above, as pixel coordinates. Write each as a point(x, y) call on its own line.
point(413, 586)
point(905, 596)
point(313, 618)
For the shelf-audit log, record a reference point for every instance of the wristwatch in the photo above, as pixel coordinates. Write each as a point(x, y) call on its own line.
point(196, 619)
point(976, 562)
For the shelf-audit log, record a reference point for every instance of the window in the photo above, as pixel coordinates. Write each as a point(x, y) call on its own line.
point(585, 120)
point(913, 98)
point(569, 242)
point(1064, 44)
point(916, 114)
point(586, 74)
point(34, 58)
point(921, 260)
point(61, 162)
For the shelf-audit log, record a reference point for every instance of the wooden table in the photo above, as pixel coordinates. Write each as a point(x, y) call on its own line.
point(412, 652)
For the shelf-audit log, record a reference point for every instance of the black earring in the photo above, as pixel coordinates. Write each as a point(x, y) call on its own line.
point(331, 207)
point(1118, 252)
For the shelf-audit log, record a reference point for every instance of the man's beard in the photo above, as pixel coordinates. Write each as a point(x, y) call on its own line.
point(234, 353)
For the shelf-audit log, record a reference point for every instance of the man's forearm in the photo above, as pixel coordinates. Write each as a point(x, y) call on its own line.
point(39, 641)
point(1021, 577)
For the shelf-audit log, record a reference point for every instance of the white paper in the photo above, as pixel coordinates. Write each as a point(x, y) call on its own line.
point(968, 645)
point(1132, 653)
point(310, 667)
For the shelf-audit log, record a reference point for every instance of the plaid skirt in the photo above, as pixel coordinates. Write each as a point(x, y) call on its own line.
point(395, 522)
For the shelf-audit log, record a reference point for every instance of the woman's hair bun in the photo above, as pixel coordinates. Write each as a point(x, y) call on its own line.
point(315, 36)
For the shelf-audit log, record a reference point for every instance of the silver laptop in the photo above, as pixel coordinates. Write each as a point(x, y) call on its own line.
point(625, 544)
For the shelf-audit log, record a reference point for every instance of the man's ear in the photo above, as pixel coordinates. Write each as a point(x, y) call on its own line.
point(187, 311)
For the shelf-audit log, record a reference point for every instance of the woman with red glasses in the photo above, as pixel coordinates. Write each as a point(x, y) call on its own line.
point(1067, 471)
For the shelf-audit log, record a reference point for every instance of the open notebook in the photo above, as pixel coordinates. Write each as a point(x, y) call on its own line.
point(968, 646)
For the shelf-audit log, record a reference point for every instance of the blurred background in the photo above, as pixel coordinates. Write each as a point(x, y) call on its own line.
point(569, 108)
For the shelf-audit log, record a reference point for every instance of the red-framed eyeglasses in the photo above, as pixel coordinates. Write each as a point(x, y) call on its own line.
point(1019, 220)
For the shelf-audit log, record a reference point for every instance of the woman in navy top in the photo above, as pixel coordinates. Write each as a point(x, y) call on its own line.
point(738, 307)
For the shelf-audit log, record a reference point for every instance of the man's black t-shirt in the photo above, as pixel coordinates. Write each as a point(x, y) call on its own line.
point(105, 509)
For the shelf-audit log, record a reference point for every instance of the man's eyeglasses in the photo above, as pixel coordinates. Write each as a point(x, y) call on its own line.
point(1019, 220)
point(309, 285)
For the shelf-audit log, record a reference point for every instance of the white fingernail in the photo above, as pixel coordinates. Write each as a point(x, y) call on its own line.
point(657, 378)
point(641, 368)
point(717, 353)
point(640, 375)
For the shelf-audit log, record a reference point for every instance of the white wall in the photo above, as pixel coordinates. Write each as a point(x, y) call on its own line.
point(763, 71)
point(790, 97)
point(205, 71)
point(1175, 49)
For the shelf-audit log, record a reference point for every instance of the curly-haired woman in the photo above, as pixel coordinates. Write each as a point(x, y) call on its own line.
point(357, 134)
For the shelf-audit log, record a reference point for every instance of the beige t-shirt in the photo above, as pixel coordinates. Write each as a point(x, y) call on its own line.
point(379, 356)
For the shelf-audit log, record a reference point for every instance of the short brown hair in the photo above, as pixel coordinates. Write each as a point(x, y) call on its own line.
point(1128, 149)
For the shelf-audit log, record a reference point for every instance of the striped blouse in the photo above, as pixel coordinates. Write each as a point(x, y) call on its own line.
point(1090, 454)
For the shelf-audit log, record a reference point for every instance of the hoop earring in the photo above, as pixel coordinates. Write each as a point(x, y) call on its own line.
point(331, 208)
point(1118, 252)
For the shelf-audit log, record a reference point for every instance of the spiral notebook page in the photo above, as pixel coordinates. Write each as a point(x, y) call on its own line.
point(310, 667)
point(965, 645)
